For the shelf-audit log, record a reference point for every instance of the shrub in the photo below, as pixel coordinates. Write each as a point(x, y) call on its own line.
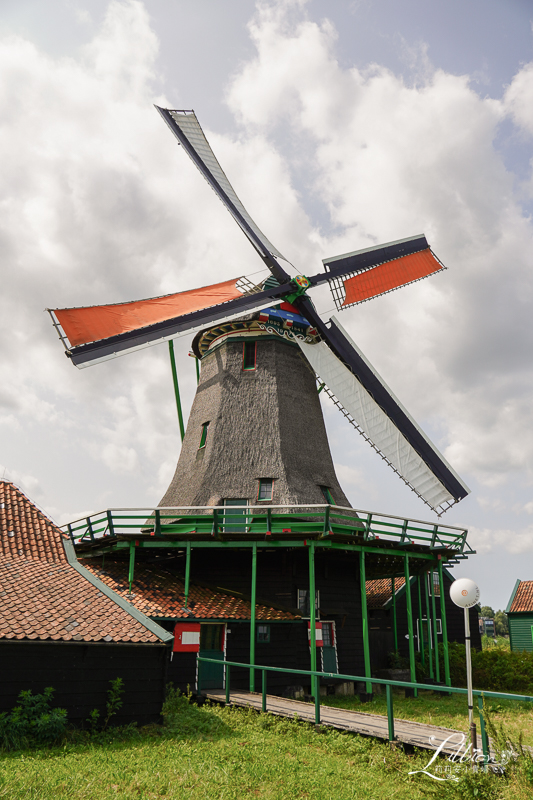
point(497, 669)
point(32, 721)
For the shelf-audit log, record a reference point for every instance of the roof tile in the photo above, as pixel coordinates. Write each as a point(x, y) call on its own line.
point(43, 597)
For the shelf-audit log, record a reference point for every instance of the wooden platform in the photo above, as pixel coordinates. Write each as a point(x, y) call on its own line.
point(413, 733)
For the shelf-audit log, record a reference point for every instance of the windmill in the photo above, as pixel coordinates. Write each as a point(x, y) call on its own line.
point(99, 333)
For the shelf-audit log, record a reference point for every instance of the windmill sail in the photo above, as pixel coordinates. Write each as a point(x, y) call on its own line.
point(364, 274)
point(98, 333)
point(185, 126)
point(438, 485)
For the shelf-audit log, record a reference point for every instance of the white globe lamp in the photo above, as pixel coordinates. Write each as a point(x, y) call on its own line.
point(465, 594)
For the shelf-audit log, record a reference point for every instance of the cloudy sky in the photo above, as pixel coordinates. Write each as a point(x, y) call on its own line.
point(341, 125)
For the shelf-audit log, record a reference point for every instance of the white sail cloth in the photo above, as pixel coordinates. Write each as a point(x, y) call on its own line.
point(375, 425)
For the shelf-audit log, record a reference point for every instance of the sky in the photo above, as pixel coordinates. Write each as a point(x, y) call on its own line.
point(340, 125)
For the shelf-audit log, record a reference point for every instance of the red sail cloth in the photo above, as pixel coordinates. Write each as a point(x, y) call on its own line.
point(91, 324)
point(390, 275)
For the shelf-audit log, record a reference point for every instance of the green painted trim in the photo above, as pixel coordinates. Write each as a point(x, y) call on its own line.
point(428, 618)
point(252, 615)
point(513, 595)
point(420, 624)
point(312, 615)
point(434, 623)
point(394, 617)
point(176, 387)
point(409, 606)
point(447, 678)
point(131, 571)
point(152, 626)
point(364, 618)
point(187, 574)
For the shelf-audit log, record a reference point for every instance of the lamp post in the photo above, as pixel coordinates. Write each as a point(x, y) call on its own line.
point(465, 594)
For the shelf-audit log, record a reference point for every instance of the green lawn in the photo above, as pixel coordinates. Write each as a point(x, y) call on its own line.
point(450, 712)
point(223, 753)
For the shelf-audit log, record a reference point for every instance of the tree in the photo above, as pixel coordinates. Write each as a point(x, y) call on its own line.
point(487, 611)
point(501, 623)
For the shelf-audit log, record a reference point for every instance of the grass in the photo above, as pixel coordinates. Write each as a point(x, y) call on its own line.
point(435, 708)
point(226, 753)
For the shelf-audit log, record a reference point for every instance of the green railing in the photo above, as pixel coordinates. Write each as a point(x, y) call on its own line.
point(279, 521)
point(481, 695)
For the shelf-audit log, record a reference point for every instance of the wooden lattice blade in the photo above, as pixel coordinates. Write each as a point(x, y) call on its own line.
point(186, 128)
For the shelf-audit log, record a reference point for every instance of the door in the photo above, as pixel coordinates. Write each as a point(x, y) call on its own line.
point(329, 648)
point(212, 645)
point(235, 515)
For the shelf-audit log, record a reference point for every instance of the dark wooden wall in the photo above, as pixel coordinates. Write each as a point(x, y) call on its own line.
point(80, 674)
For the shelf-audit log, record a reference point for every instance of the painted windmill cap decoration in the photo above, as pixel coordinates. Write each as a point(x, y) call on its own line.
point(98, 333)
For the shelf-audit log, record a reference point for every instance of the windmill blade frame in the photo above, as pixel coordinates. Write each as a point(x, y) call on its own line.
point(106, 348)
point(357, 368)
point(186, 128)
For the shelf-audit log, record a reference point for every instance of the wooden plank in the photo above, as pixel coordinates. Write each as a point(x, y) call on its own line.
point(417, 734)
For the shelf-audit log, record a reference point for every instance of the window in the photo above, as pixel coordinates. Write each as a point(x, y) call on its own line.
point(436, 583)
point(328, 638)
point(264, 491)
point(249, 352)
point(263, 633)
point(303, 602)
point(203, 435)
point(328, 497)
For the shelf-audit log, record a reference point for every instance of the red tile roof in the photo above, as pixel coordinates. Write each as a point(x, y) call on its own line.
point(41, 595)
point(158, 592)
point(523, 599)
point(379, 592)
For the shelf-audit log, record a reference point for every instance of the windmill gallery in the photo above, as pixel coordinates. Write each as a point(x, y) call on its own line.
point(254, 554)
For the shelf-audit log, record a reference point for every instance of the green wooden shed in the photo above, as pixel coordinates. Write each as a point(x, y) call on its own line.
point(520, 614)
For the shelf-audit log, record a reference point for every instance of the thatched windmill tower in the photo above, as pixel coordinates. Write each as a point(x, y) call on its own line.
point(256, 430)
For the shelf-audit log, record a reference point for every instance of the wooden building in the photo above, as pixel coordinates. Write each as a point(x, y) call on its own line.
point(520, 616)
point(388, 624)
point(62, 627)
point(255, 511)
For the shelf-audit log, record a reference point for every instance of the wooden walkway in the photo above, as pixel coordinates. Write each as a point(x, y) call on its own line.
point(413, 733)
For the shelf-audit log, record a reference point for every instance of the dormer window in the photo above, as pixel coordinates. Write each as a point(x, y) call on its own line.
point(203, 435)
point(326, 494)
point(265, 488)
point(249, 354)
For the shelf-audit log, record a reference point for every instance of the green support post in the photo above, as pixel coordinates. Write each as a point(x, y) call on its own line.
point(430, 637)
point(197, 362)
point(484, 737)
point(176, 387)
point(410, 622)
point(434, 623)
point(187, 573)
point(420, 623)
point(157, 526)
point(446, 654)
point(252, 616)
point(110, 526)
point(132, 563)
point(364, 615)
point(227, 684)
point(394, 618)
point(264, 691)
point(312, 616)
point(390, 712)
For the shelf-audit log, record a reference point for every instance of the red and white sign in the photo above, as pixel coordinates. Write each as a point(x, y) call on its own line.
point(318, 633)
point(186, 637)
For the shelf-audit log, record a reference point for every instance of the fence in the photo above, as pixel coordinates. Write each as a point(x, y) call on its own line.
point(315, 679)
